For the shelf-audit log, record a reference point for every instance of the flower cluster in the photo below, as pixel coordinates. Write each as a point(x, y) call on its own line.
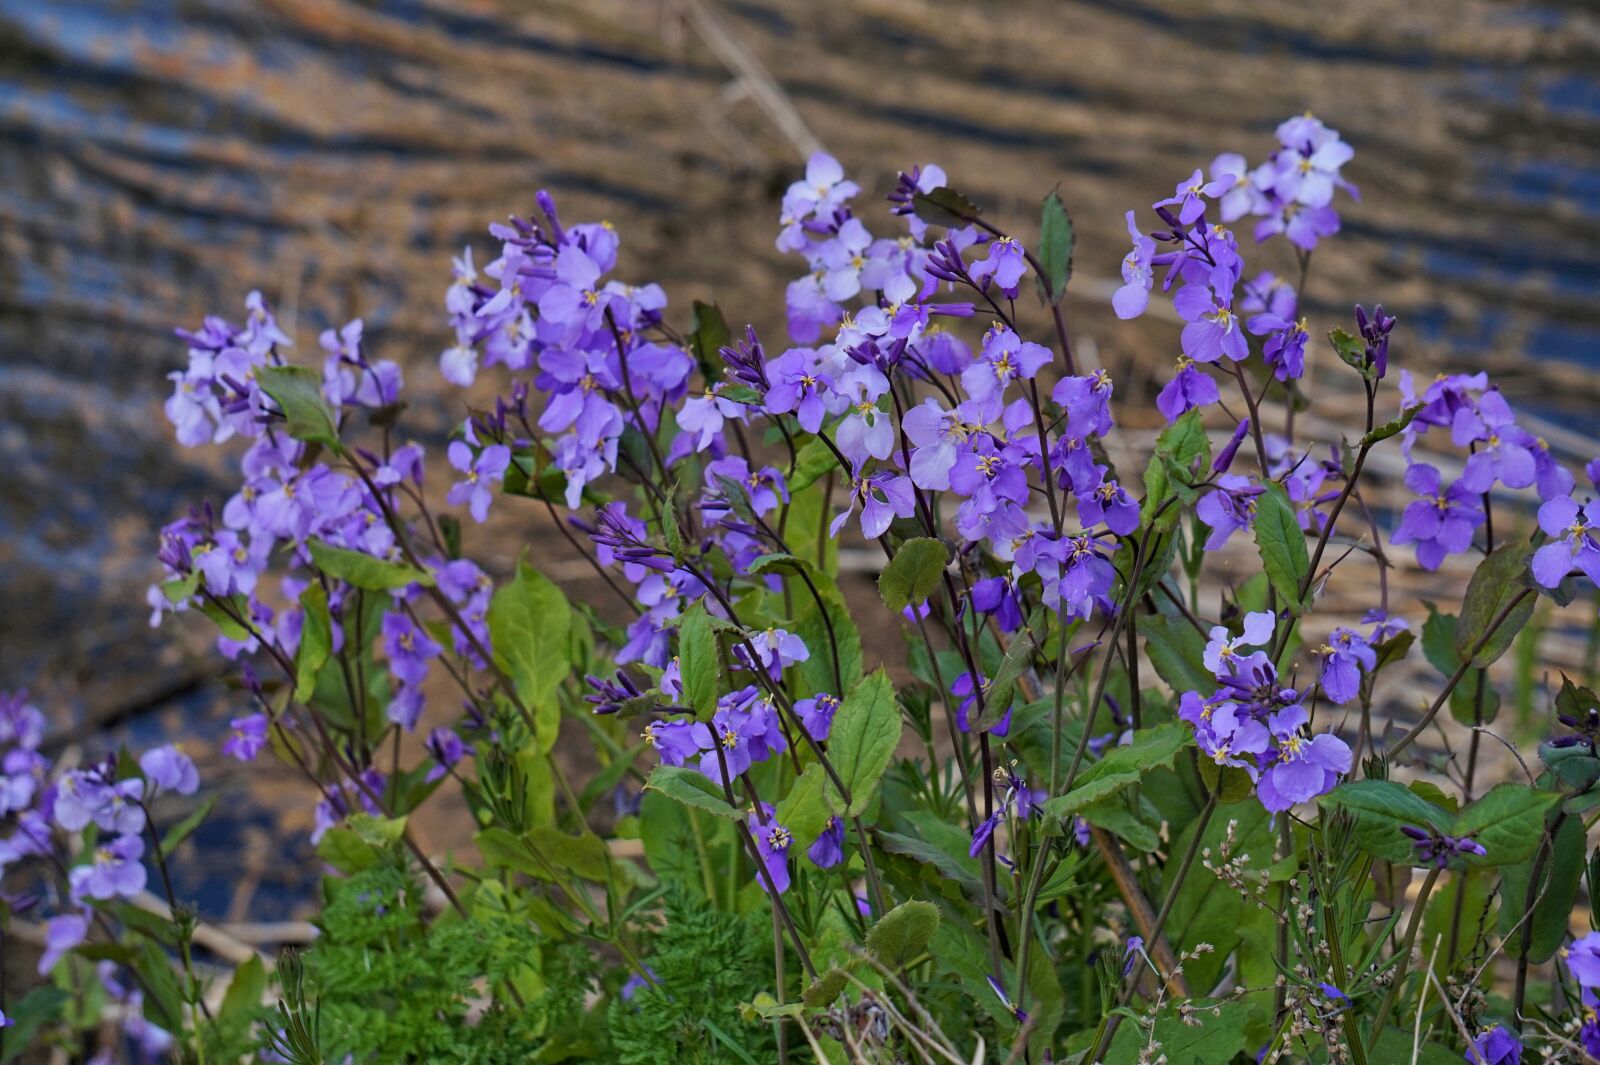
point(1256, 723)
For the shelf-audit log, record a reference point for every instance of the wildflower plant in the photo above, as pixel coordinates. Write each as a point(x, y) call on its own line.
point(1099, 810)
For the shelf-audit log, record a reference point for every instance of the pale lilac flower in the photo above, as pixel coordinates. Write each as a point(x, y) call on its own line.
point(61, 934)
point(170, 769)
point(1133, 297)
point(1575, 541)
point(482, 470)
point(1223, 648)
point(246, 736)
point(113, 871)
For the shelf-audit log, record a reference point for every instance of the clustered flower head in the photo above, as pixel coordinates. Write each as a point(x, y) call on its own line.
point(1256, 723)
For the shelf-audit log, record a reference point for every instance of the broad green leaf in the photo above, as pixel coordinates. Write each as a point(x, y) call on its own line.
point(1056, 240)
point(1553, 899)
point(364, 571)
point(1351, 349)
point(1439, 647)
point(803, 811)
point(181, 831)
point(903, 933)
point(1207, 910)
point(1282, 544)
point(1113, 815)
point(698, 664)
point(1495, 583)
point(825, 988)
point(1508, 823)
point(316, 640)
point(1177, 651)
point(297, 390)
point(865, 732)
point(529, 624)
point(690, 787)
point(999, 691)
point(812, 461)
point(546, 853)
point(913, 573)
point(1380, 808)
point(245, 991)
point(1123, 766)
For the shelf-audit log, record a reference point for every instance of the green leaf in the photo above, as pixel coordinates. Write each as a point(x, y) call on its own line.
point(690, 787)
point(1352, 350)
point(903, 933)
point(825, 988)
point(1391, 427)
point(803, 811)
point(546, 853)
point(913, 573)
point(1379, 808)
point(364, 571)
point(1123, 766)
point(1218, 1038)
point(697, 660)
point(529, 625)
point(184, 829)
point(1056, 240)
point(245, 991)
point(999, 691)
point(812, 462)
point(1183, 446)
point(1282, 544)
point(297, 390)
point(944, 207)
point(1439, 647)
point(41, 1006)
point(1508, 822)
point(1553, 899)
point(740, 394)
point(1113, 815)
point(316, 640)
point(1177, 651)
point(1498, 580)
point(708, 336)
point(1207, 910)
point(866, 730)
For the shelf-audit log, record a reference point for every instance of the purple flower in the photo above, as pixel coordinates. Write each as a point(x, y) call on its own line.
point(1110, 503)
point(1442, 522)
point(1505, 454)
point(964, 689)
point(775, 649)
point(246, 736)
point(1087, 402)
point(1005, 357)
point(1583, 960)
point(1131, 952)
point(1189, 195)
point(744, 730)
point(1004, 262)
point(816, 714)
point(169, 769)
point(113, 871)
point(677, 741)
point(828, 850)
point(1305, 767)
point(883, 496)
point(938, 435)
point(1213, 330)
point(1130, 300)
point(1191, 388)
point(1573, 543)
point(1223, 648)
point(408, 646)
point(1229, 507)
point(447, 749)
point(1498, 1046)
point(1345, 657)
point(81, 797)
point(1285, 349)
point(1435, 848)
point(62, 934)
point(481, 471)
point(772, 844)
point(799, 387)
point(1019, 1014)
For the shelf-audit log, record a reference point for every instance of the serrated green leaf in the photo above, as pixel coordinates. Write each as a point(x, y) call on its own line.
point(692, 788)
point(913, 574)
point(866, 730)
point(1508, 823)
point(1123, 766)
point(903, 933)
point(1282, 544)
point(297, 390)
point(364, 571)
point(1494, 584)
point(698, 663)
point(530, 622)
point(1056, 240)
